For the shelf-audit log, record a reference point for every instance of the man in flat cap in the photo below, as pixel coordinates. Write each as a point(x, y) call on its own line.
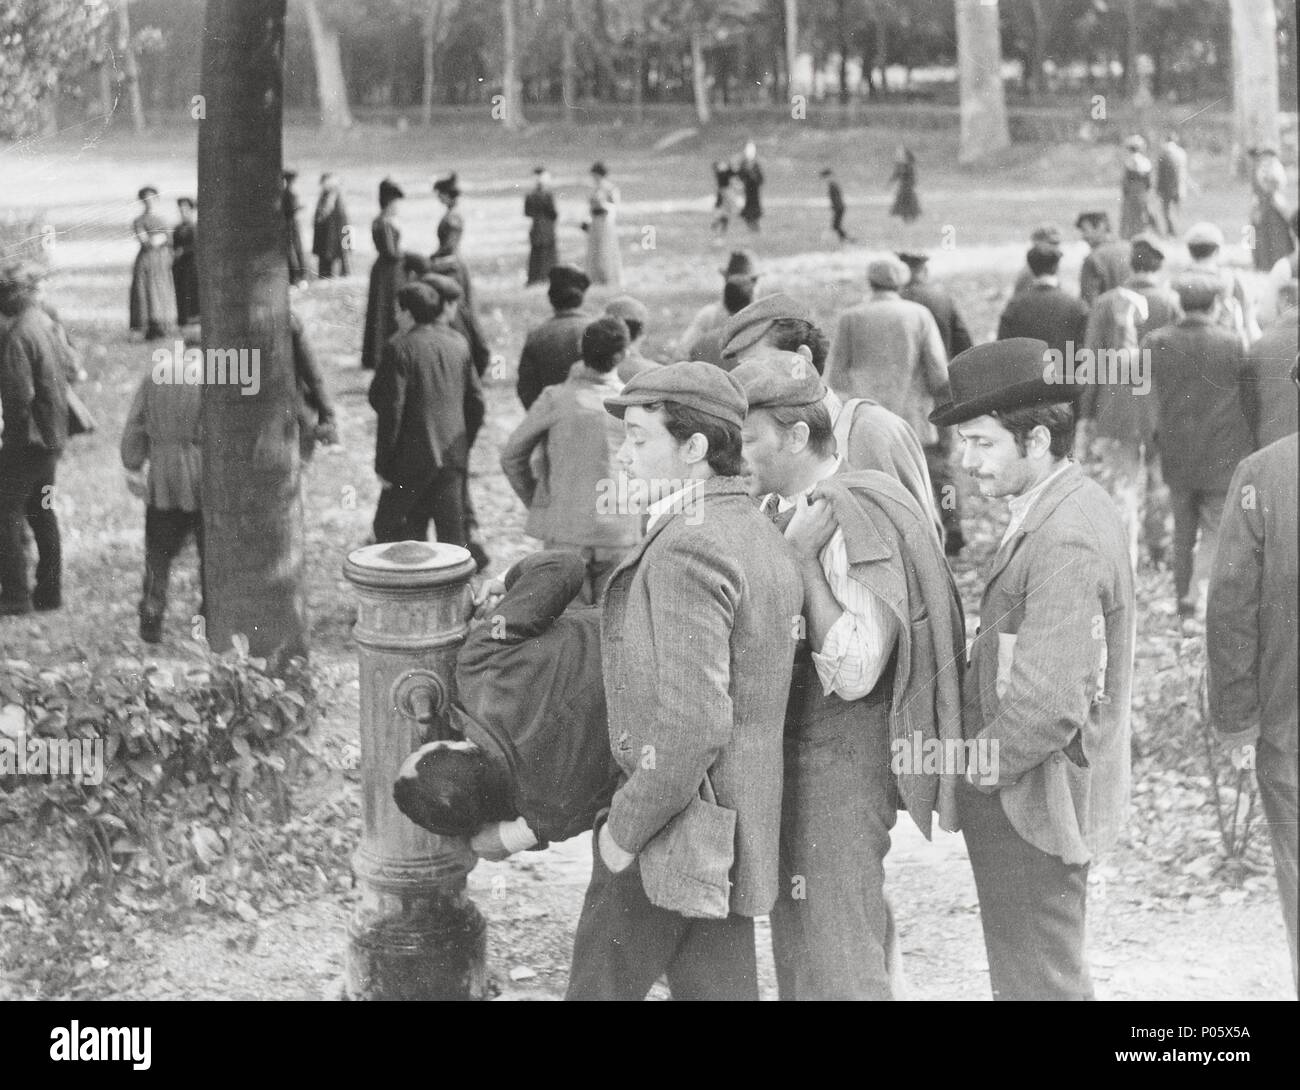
point(636, 316)
point(1116, 411)
point(1051, 670)
point(696, 641)
point(1047, 236)
point(867, 434)
point(551, 349)
point(1237, 311)
point(428, 399)
point(1107, 263)
point(877, 672)
point(890, 349)
point(1207, 411)
point(740, 272)
point(34, 408)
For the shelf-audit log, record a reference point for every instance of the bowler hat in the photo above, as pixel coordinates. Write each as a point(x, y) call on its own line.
point(998, 377)
point(695, 384)
point(913, 260)
point(741, 263)
point(569, 276)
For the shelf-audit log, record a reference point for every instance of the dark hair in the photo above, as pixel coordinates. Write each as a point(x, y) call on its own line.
point(415, 265)
point(1145, 259)
point(1043, 260)
point(725, 456)
point(602, 341)
point(451, 793)
point(634, 328)
point(1096, 219)
point(1057, 417)
point(737, 294)
point(186, 202)
point(146, 191)
point(414, 297)
point(821, 432)
point(565, 297)
point(1199, 250)
point(789, 334)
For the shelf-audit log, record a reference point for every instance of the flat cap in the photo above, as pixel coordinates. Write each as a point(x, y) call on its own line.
point(1046, 232)
point(748, 326)
point(885, 272)
point(629, 309)
point(1204, 234)
point(445, 286)
point(417, 291)
point(782, 380)
point(695, 384)
point(1197, 290)
point(569, 276)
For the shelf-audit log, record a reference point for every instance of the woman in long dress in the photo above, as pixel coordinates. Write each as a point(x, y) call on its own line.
point(1269, 215)
point(906, 205)
point(604, 264)
point(750, 174)
point(386, 276)
point(1135, 190)
point(185, 267)
point(451, 229)
point(153, 295)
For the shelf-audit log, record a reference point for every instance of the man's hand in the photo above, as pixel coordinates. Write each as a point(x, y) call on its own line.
point(811, 528)
point(137, 484)
point(614, 857)
point(489, 594)
point(486, 843)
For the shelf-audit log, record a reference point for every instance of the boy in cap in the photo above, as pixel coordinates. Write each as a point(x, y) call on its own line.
point(696, 645)
point(1206, 407)
point(1050, 677)
point(34, 408)
point(635, 316)
point(878, 668)
point(740, 271)
point(550, 349)
point(569, 504)
point(1236, 311)
point(1107, 263)
point(427, 395)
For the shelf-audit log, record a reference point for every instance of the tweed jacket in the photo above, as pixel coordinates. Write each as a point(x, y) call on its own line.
point(549, 352)
point(1051, 671)
point(890, 349)
point(1250, 622)
point(697, 639)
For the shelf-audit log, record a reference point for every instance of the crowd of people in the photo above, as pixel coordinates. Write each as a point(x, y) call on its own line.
point(741, 651)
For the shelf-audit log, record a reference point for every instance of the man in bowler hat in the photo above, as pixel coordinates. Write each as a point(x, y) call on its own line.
point(1051, 673)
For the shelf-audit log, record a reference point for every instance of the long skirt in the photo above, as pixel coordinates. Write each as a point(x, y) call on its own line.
point(1134, 214)
point(604, 263)
point(153, 296)
point(1272, 236)
point(906, 205)
point(185, 278)
point(542, 257)
point(381, 310)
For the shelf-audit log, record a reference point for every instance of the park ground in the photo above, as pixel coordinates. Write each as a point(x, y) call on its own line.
point(1171, 916)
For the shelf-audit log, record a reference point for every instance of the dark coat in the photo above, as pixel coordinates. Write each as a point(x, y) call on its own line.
point(185, 273)
point(549, 351)
point(530, 693)
point(428, 398)
point(1106, 267)
point(386, 276)
point(289, 208)
point(1045, 313)
point(956, 337)
point(1203, 392)
point(1250, 622)
point(539, 206)
point(33, 384)
point(327, 233)
point(751, 178)
point(315, 409)
point(1270, 361)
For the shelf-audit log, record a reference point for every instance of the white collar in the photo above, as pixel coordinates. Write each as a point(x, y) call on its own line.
point(667, 504)
point(1019, 505)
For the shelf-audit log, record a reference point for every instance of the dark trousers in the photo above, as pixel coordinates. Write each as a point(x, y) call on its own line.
point(1167, 206)
point(837, 223)
point(624, 944)
point(1195, 512)
point(27, 495)
point(165, 533)
point(405, 509)
point(1032, 906)
point(1275, 772)
point(947, 494)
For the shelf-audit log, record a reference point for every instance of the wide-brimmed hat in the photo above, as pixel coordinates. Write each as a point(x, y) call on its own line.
point(1001, 376)
point(599, 168)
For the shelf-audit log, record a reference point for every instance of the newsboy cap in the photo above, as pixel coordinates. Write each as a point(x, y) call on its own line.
point(569, 276)
point(998, 377)
point(783, 380)
point(748, 326)
point(445, 286)
point(1048, 233)
point(885, 272)
point(1197, 289)
point(1204, 234)
point(694, 383)
point(629, 309)
point(1150, 241)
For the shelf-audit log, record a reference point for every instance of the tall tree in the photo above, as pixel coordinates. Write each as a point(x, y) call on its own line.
point(252, 504)
point(568, 64)
point(510, 88)
point(791, 43)
point(1254, 66)
point(130, 64)
point(327, 57)
point(979, 78)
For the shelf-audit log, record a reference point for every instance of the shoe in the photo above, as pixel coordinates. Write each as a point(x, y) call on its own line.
point(151, 629)
point(481, 558)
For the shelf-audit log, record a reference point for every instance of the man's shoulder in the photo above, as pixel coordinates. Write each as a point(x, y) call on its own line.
point(1281, 457)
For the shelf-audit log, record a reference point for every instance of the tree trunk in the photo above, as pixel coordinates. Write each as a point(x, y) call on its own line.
point(514, 107)
point(791, 43)
point(1035, 76)
point(699, 76)
point(638, 65)
point(107, 90)
point(1254, 56)
point(979, 76)
point(432, 16)
point(130, 67)
point(881, 59)
point(1132, 80)
point(252, 504)
point(842, 29)
point(567, 87)
point(331, 91)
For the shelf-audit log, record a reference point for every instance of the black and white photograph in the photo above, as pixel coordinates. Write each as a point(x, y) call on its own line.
point(581, 500)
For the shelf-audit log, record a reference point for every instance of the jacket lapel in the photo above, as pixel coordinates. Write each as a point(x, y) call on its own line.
point(1069, 480)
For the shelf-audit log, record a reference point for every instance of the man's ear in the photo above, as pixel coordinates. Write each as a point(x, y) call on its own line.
point(695, 449)
point(797, 438)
